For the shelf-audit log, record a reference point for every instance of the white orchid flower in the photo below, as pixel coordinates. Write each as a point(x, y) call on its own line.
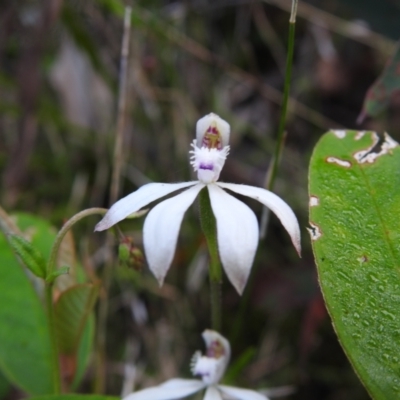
point(210, 367)
point(237, 227)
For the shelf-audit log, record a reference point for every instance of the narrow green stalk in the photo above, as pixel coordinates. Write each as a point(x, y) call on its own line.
point(286, 91)
point(215, 297)
point(208, 224)
point(66, 227)
point(51, 265)
point(273, 169)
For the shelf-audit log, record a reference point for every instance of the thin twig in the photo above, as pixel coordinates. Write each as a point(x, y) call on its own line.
point(100, 379)
point(351, 29)
point(236, 73)
point(144, 19)
point(123, 86)
point(354, 30)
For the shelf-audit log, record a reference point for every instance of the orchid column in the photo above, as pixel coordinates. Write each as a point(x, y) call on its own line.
point(210, 150)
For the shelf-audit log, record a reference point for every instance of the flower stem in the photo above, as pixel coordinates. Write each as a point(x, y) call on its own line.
point(273, 169)
point(286, 90)
point(66, 227)
point(215, 297)
point(209, 227)
point(51, 266)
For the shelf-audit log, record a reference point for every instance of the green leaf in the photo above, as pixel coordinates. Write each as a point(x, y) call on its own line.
point(84, 352)
point(75, 397)
point(30, 256)
point(37, 230)
point(7, 224)
point(42, 235)
point(67, 257)
point(25, 355)
point(236, 368)
point(354, 185)
point(5, 386)
point(72, 310)
point(383, 89)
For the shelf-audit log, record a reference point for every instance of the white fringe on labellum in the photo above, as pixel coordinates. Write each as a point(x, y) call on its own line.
point(208, 163)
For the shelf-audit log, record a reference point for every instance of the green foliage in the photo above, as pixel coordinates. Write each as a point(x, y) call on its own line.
point(56, 274)
point(234, 371)
point(113, 6)
point(72, 311)
point(40, 232)
point(84, 351)
point(4, 386)
point(184, 60)
point(355, 230)
point(30, 256)
point(25, 356)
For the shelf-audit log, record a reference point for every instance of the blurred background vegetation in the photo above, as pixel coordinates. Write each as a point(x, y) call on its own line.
point(59, 71)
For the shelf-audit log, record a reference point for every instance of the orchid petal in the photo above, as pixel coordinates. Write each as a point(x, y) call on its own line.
point(136, 200)
point(170, 390)
point(212, 394)
point(241, 394)
point(183, 383)
point(161, 228)
point(237, 231)
point(275, 204)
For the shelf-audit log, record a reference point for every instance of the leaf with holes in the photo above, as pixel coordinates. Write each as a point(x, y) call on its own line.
point(354, 183)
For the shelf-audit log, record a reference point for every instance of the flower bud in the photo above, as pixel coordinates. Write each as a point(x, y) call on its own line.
point(130, 255)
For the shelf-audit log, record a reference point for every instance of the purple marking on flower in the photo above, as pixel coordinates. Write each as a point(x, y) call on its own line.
point(213, 129)
point(206, 166)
